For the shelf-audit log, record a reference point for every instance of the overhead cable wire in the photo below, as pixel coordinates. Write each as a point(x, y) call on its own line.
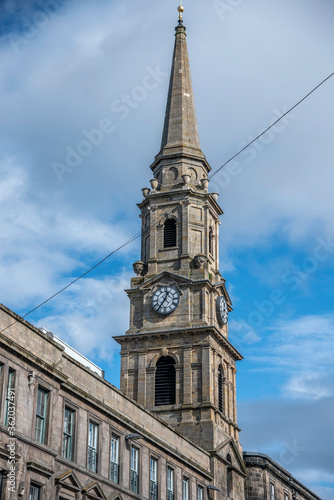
point(137, 235)
point(271, 126)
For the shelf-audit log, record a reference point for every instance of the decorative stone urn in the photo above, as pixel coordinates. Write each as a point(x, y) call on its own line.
point(154, 184)
point(205, 183)
point(215, 196)
point(186, 179)
point(146, 191)
point(139, 268)
point(200, 261)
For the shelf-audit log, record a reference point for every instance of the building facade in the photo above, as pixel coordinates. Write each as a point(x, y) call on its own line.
point(171, 431)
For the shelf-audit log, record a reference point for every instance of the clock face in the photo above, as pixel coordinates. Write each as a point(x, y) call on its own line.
point(166, 299)
point(222, 310)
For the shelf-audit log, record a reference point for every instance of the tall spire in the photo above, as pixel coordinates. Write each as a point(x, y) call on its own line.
point(180, 132)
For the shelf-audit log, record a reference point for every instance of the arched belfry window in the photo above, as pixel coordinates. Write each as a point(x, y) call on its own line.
point(220, 388)
point(165, 381)
point(211, 241)
point(170, 233)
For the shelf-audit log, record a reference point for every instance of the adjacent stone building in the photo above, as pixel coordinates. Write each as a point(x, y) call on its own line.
point(171, 431)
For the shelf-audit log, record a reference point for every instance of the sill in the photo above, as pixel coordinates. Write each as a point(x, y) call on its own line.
point(168, 248)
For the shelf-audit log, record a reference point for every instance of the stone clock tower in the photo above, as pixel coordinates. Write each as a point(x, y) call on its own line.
point(177, 360)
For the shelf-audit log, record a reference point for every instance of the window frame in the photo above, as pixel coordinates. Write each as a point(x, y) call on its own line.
point(200, 487)
point(154, 459)
point(46, 417)
point(38, 488)
point(272, 491)
point(67, 406)
point(185, 481)
point(170, 493)
point(89, 448)
point(135, 471)
point(117, 438)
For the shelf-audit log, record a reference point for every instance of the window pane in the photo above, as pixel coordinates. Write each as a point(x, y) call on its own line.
point(170, 484)
point(68, 433)
point(272, 492)
point(200, 493)
point(185, 489)
point(153, 470)
point(134, 459)
point(42, 398)
point(34, 492)
point(92, 447)
point(114, 459)
point(134, 470)
point(154, 479)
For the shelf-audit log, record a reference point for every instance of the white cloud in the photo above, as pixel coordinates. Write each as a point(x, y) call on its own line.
point(42, 248)
point(301, 349)
point(88, 316)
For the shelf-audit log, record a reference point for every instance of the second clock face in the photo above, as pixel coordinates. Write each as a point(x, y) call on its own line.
point(222, 310)
point(166, 299)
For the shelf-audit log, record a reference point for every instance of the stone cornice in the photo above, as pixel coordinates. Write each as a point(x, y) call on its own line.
point(212, 330)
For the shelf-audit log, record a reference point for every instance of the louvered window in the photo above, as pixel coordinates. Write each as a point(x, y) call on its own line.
point(210, 241)
point(165, 381)
point(170, 233)
point(220, 389)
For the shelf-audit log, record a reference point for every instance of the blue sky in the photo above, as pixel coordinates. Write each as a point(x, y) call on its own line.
point(66, 65)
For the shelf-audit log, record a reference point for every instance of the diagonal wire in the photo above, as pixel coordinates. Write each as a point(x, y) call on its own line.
point(137, 235)
point(272, 125)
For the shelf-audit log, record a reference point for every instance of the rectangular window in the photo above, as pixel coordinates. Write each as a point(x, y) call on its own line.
point(154, 479)
point(41, 415)
point(134, 470)
point(170, 483)
point(68, 433)
point(114, 459)
point(34, 492)
point(10, 397)
point(185, 489)
point(272, 491)
point(92, 446)
point(286, 496)
point(200, 493)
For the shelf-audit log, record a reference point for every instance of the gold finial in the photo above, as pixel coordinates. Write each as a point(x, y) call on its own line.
point(180, 10)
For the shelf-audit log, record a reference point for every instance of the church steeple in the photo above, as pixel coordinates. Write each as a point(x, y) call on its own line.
point(180, 132)
point(176, 357)
point(180, 140)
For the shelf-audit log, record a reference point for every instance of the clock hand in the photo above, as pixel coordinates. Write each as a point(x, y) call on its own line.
point(163, 300)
